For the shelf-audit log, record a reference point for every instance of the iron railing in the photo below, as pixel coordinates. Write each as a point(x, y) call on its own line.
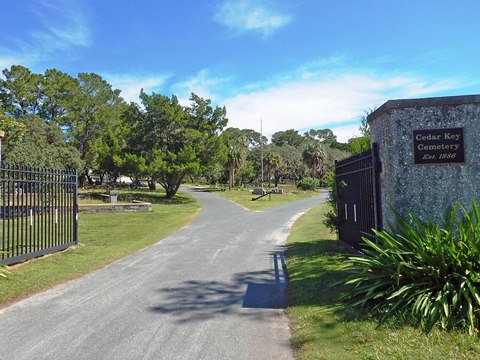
point(38, 211)
point(358, 196)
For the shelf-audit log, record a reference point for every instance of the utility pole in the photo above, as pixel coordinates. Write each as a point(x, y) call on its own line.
point(261, 151)
point(2, 135)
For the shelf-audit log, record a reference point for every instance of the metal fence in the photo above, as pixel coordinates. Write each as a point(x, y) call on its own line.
point(38, 212)
point(358, 196)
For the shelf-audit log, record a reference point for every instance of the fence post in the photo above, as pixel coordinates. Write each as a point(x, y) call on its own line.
point(376, 186)
point(75, 207)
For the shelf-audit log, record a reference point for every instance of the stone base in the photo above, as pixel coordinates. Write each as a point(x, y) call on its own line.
point(144, 206)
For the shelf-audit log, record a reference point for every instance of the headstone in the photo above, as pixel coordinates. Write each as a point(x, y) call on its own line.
point(113, 196)
point(258, 191)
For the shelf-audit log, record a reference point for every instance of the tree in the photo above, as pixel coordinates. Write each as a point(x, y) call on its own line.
point(59, 90)
point(93, 114)
point(254, 138)
point(131, 165)
point(175, 142)
point(362, 143)
point(20, 91)
point(313, 156)
point(291, 166)
point(237, 147)
point(32, 107)
point(359, 144)
point(288, 137)
point(42, 145)
point(14, 131)
point(209, 122)
point(272, 161)
point(234, 161)
point(246, 173)
point(322, 135)
point(204, 118)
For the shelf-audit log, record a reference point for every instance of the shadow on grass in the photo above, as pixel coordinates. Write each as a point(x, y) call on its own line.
point(157, 198)
point(323, 325)
point(142, 195)
point(317, 271)
point(209, 189)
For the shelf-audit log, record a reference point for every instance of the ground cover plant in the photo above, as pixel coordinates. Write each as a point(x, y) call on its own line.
point(424, 272)
point(243, 197)
point(103, 239)
point(323, 327)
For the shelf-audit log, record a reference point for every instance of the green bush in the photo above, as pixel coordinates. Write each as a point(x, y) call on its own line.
point(423, 272)
point(331, 217)
point(308, 183)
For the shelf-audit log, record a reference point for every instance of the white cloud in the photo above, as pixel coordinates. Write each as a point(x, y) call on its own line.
point(328, 101)
point(63, 24)
point(203, 84)
point(130, 85)
point(326, 93)
point(251, 15)
point(7, 61)
point(57, 26)
point(344, 133)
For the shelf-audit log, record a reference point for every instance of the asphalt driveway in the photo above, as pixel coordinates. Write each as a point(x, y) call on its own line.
point(212, 290)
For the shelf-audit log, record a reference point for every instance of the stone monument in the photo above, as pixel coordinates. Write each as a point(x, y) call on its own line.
point(429, 151)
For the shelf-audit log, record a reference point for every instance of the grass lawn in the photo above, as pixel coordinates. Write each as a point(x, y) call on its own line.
point(103, 239)
point(244, 197)
point(323, 328)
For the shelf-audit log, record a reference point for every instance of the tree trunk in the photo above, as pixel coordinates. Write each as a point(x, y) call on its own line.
point(170, 193)
point(87, 177)
point(171, 188)
point(230, 177)
point(277, 179)
point(152, 185)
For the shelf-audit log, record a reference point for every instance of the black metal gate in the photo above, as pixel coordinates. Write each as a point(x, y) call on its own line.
point(38, 212)
point(358, 196)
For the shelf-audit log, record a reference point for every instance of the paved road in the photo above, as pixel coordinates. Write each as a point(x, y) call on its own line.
point(212, 290)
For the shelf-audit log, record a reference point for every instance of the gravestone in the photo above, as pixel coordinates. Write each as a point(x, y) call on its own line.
point(259, 191)
point(429, 151)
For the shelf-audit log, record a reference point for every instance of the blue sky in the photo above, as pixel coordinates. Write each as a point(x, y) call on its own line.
point(292, 63)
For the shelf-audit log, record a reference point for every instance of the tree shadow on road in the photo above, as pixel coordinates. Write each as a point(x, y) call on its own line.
point(200, 299)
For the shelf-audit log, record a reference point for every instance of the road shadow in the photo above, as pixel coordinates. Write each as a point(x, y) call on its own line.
point(199, 299)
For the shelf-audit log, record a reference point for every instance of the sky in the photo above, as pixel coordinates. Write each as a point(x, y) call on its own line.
point(279, 64)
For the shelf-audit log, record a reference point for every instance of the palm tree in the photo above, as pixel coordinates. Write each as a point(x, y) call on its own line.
point(314, 156)
point(234, 161)
point(272, 161)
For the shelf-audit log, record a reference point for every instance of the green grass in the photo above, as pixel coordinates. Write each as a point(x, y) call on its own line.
point(244, 197)
point(103, 239)
point(323, 328)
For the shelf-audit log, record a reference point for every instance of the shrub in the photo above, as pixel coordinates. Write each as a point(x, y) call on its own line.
point(331, 217)
point(308, 183)
point(423, 272)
